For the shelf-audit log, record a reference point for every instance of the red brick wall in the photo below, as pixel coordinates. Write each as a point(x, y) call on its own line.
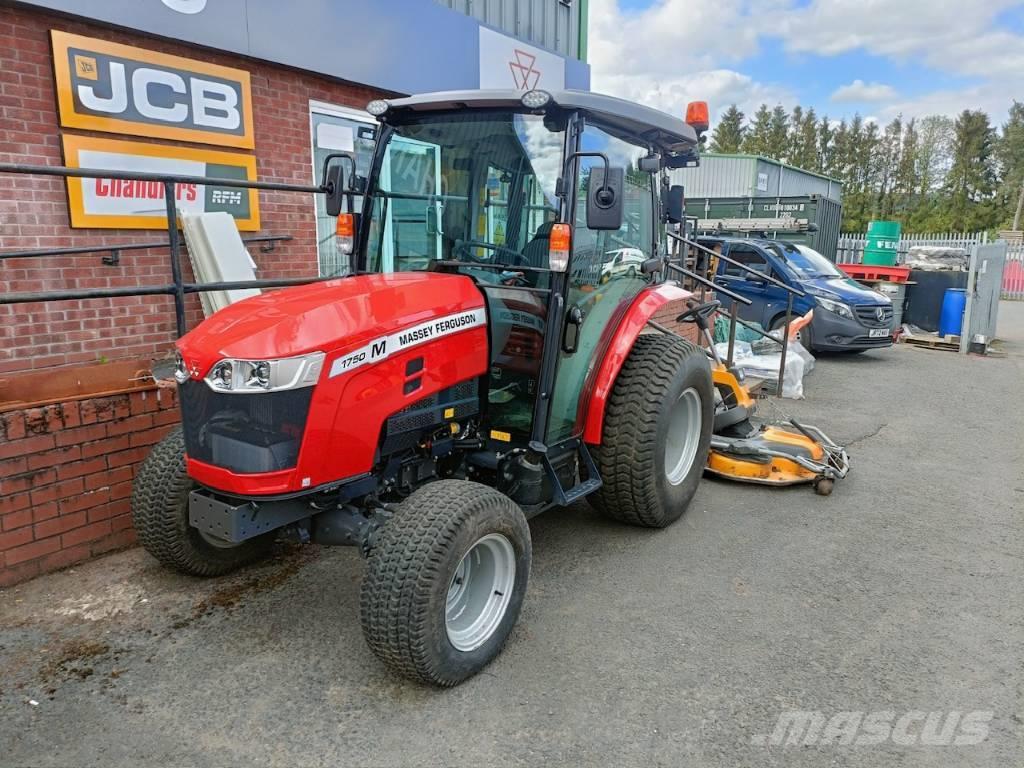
point(66, 474)
point(33, 209)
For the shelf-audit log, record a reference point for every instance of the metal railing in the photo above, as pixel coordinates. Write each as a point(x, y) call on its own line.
point(177, 288)
point(737, 299)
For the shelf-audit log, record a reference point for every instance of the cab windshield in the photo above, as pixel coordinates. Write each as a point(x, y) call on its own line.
point(805, 263)
point(478, 188)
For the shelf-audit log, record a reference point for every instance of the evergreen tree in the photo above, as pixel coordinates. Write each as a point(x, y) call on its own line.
point(971, 179)
point(729, 133)
point(796, 120)
point(1010, 152)
point(826, 145)
point(805, 148)
point(757, 140)
point(778, 133)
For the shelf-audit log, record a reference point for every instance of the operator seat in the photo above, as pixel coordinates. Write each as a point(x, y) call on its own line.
point(536, 251)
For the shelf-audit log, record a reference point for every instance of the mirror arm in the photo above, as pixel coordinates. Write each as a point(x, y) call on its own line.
point(602, 155)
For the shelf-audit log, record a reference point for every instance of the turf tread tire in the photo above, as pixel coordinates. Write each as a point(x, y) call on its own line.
point(160, 515)
point(628, 459)
point(410, 567)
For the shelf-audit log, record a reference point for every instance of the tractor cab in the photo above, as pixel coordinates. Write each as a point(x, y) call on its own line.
point(489, 355)
point(552, 205)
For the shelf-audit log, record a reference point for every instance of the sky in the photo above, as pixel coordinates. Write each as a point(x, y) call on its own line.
point(878, 58)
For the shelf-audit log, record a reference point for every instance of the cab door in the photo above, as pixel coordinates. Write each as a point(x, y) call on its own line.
point(595, 286)
point(412, 227)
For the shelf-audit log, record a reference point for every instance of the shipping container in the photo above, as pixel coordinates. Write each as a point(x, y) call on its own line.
point(826, 214)
point(721, 175)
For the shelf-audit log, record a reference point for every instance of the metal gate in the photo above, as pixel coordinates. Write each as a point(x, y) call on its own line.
point(984, 282)
point(1013, 272)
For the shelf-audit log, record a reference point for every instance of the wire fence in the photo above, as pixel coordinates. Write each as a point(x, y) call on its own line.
point(1013, 272)
point(851, 246)
point(851, 251)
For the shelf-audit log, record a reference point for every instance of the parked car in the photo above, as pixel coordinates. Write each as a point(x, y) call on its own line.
point(847, 316)
point(622, 261)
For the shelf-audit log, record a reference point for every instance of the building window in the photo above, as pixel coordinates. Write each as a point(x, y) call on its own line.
point(337, 129)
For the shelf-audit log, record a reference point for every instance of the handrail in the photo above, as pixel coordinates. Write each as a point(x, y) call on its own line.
point(709, 284)
point(203, 181)
point(178, 288)
point(741, 265)
point(75, 250)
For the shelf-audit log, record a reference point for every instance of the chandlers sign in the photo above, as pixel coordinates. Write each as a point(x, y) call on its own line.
point(103, 86)
point(123, 204)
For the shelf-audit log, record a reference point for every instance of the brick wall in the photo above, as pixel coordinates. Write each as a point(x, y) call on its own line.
point(34, 214)
point(66, 474)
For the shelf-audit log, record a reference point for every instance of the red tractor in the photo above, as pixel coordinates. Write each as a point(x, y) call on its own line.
point(480, 364)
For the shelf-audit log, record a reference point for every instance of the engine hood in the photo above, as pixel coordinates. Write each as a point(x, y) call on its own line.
point(331, 317)
point(845, 290)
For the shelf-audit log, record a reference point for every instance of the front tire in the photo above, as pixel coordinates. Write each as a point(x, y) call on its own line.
point(657, 430)
point(445, 581)
point(160, 516)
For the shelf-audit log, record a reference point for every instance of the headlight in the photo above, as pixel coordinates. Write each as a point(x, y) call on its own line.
point(834, 306)
point(247, 376)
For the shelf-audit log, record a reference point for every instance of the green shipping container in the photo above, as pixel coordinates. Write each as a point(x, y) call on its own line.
point(883, 243)
point(826, 214)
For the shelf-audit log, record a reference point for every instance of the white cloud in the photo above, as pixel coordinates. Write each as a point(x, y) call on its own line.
point(859, 91)
point(664, 56)
point(679, 50)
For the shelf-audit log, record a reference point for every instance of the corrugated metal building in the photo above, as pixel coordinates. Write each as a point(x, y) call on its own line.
point(558, 25)
point(753, 176)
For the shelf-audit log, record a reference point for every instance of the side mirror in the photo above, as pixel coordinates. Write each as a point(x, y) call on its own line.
point(334, 181)
point(605, 197)
point(673, 206)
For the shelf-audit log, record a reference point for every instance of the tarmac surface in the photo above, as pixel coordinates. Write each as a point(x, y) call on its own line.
point(900, 593)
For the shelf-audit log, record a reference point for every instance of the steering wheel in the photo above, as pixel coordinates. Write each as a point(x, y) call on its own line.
point(699, 313)
point(465, 245)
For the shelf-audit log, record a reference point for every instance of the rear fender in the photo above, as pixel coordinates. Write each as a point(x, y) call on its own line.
point(644, 307)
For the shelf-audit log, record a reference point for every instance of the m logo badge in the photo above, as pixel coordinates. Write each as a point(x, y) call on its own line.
point(880, 313)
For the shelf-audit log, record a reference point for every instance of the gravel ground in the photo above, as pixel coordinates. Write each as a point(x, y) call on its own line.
point(900, 593)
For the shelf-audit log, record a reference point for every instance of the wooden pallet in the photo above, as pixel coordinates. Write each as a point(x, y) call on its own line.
point(932, 342)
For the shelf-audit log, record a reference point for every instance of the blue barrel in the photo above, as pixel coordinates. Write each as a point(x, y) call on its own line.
point(951, 319)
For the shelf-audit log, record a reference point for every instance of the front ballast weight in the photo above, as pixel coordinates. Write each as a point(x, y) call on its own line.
point(342, 524)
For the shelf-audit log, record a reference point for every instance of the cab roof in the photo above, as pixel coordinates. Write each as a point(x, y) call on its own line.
point(667, 133)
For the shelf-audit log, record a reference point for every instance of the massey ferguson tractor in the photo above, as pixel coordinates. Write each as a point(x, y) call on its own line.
point(488, 357)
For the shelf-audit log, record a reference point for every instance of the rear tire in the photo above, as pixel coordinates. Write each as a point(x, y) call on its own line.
point(160, 516)
point(650, 471)
point(445, 581)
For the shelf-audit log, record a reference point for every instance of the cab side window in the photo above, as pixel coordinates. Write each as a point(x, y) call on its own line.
point(748, 255)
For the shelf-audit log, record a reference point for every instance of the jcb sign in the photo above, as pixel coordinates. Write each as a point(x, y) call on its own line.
point(104, 86)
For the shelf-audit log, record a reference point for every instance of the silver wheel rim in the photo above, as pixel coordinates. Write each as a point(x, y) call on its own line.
point(684, 422)
point(480, 591)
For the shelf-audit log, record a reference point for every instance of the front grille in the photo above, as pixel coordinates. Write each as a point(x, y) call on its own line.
point(405, 428)
point(868, 315)
point(245, 433)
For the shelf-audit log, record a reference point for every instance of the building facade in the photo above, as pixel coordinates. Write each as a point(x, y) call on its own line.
point(219, 88)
